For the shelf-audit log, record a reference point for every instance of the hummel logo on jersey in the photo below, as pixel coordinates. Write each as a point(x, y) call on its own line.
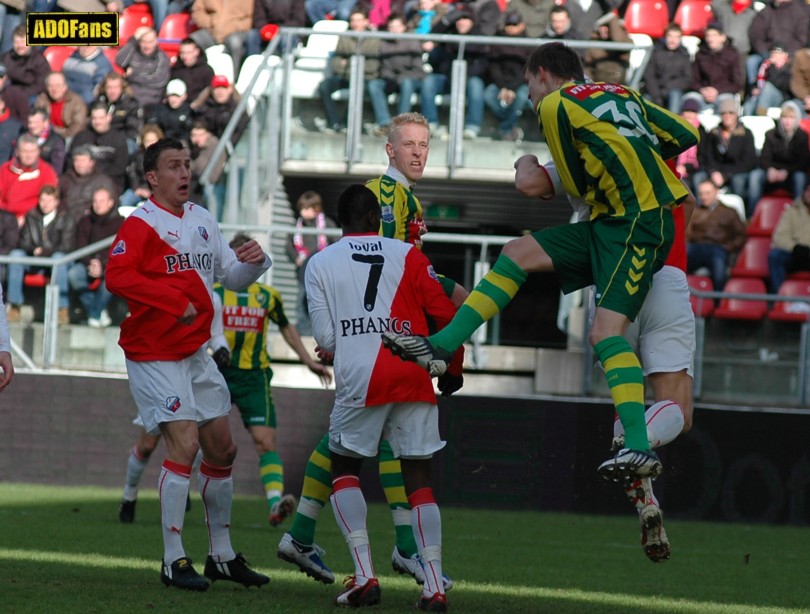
point(203, 232)
point(120, 248)
point(370, 325)
point(173, 404)
point(176, 263)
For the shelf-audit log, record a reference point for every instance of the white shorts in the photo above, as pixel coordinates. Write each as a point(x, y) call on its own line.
point(187, 389)
point(412, 429)
point(663, 335)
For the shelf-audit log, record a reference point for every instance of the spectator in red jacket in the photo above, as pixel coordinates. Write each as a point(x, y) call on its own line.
point(22, 178)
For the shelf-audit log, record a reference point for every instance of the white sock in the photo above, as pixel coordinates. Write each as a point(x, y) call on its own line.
point(136, 464)
point(350, 510)
point(640, 493)
point(664, 423)
point(426, 521)
point(173, 490)
point(216, 489)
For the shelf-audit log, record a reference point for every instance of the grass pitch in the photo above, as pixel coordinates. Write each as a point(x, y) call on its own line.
point(64, 550)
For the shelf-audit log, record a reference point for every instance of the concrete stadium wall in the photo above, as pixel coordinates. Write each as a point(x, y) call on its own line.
point(737, 464)
point(78, 431)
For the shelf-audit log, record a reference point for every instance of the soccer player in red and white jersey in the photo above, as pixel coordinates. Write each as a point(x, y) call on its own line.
point(164, 262)
point(357, 288)
point(663, 336)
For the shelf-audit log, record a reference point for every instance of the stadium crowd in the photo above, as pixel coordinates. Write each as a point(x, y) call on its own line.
point(81, 122)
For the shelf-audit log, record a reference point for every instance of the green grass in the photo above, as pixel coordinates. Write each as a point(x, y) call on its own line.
point(63, 550)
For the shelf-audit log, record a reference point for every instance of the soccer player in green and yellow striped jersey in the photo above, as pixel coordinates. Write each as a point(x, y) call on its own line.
point(609, 147)
point(246, 317)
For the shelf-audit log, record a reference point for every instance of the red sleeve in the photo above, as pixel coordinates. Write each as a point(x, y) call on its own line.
point(435, 302)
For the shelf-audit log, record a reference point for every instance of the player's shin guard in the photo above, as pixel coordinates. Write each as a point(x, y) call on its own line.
point(216, 489)
point(488, 298)
point(314, 494)
point(173, 491)
point(427, 529)
point(350, 510)
point(664, 423)
point(626, 382)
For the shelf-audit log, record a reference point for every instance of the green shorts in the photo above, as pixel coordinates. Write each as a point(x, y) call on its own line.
point(250, 392)
point(618, 255)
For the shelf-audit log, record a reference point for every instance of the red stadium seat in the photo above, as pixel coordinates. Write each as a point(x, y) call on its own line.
point(649, 17)
point(784, 311)
point(701, 307)
point(766, 215)
point(110, 53)
point(175, 28)
point(743, 309)
point(36, 280)
point(132, 18)
point(693, 16)
point(56, 56)
point(752, 260)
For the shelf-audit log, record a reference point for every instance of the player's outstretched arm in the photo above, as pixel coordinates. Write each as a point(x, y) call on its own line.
point(293, 339)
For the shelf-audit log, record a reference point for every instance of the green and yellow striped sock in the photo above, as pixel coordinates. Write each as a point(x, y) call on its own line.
point(314, 495)
point(488, 298)
point(626, 382)
point(394, 488)
point(272, 471)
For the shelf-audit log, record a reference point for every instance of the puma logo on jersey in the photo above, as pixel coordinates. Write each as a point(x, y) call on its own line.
point(371, 325)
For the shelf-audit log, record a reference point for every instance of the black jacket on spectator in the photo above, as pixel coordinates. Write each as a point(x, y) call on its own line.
point(790, 154)
point(400, 59)
point(127, 115)
point(196, 77)
point(9, 232)
point(59, 236)
point(442, 56)
point(216, 116)
point(506, 64)
point(109, 152)
point(27, 72)
point(666, 71)
point(76, 190)
point(738, 155)
point(288, 13)
point(93, 227)
point(176, 123)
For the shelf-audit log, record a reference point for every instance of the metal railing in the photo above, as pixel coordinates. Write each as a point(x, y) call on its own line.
point(269, 95)
point(486, 254)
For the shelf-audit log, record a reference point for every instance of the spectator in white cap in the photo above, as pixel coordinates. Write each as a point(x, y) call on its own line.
point(173, 115)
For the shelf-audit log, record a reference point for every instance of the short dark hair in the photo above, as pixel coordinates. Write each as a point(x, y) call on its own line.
point(354, 204)
point(152, 153)
point(557, 58)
